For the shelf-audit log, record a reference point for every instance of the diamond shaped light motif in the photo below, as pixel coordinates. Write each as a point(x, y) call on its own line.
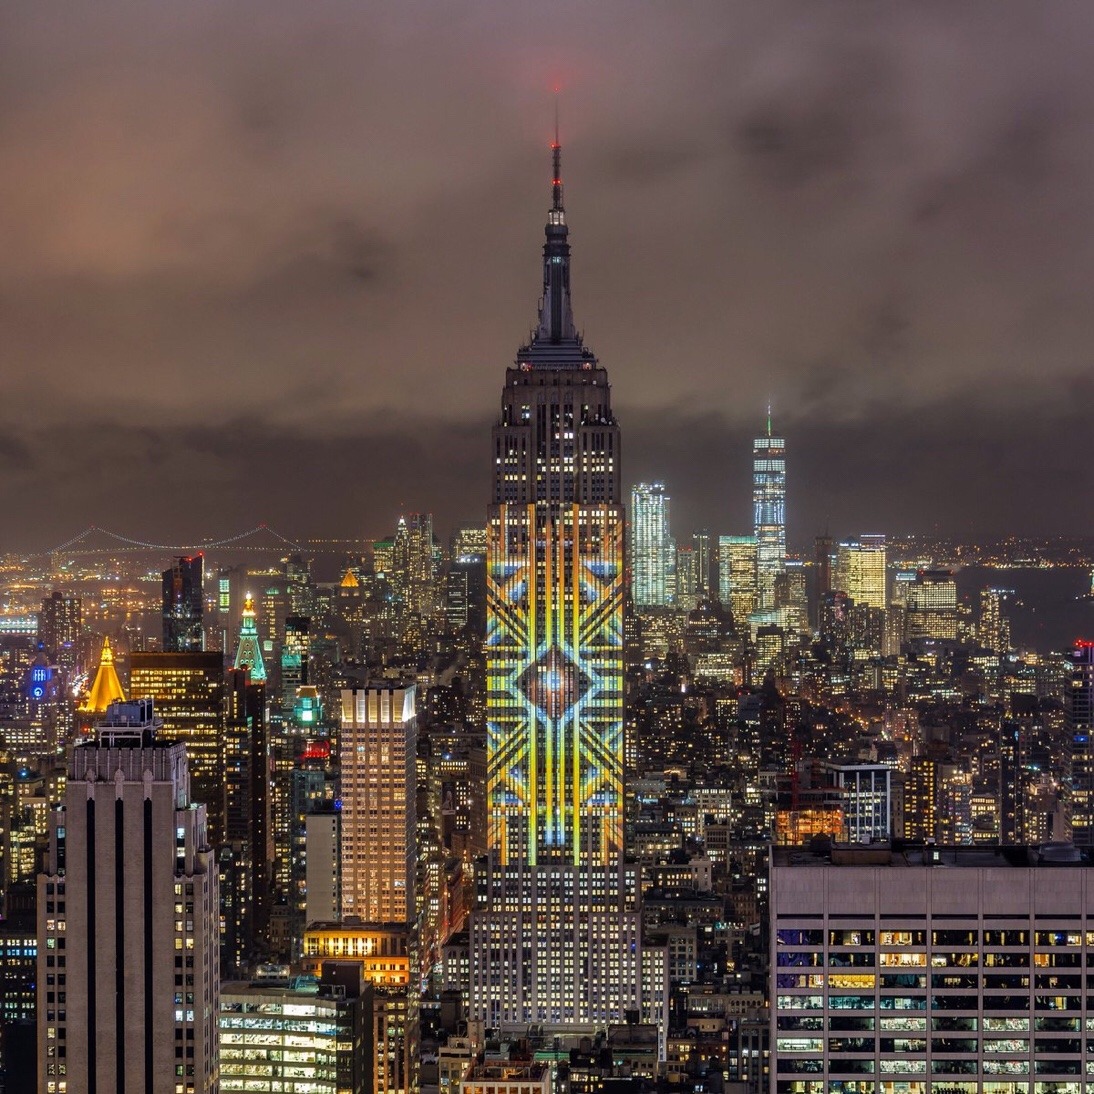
point(554, 683)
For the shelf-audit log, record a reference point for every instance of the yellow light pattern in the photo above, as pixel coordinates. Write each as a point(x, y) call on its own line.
point(555, 683)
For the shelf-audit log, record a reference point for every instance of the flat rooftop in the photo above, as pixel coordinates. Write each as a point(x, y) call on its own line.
point(907, 853)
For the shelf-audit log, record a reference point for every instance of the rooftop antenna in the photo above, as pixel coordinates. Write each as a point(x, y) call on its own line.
point(556, 149)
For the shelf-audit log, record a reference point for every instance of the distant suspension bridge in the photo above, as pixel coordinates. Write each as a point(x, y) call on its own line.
point(96, 540)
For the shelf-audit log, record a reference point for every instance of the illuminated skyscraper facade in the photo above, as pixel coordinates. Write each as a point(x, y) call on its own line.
point(932, 606)
point(249, 648)
point(60, 624)
point(107, 688)
point(1079, 709)
point(554, 936)
point(188, 689)
point(861, 572)
point(555, 573)
point(295, 653)
point(737, 576)
point(993, 628)
point(651, 546)
point(769, 512)
point(414, 565)
point(378, 747)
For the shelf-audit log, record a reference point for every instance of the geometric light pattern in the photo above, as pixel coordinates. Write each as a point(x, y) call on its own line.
point(553, 683)
point(554, 649)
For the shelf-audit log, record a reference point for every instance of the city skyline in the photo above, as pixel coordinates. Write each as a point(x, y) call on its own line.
point(881, 236)
point(483, 782)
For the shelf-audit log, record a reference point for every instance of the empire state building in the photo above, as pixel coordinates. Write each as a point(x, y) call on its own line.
point(555, 932)
point(555, 593)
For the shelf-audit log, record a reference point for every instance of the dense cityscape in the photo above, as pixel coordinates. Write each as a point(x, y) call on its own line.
point(479, 616)
point(565, 798)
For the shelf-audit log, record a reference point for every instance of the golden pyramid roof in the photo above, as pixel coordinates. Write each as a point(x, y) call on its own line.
point(107, 688)
point(349, 580)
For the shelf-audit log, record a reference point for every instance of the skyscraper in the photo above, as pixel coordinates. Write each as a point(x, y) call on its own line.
point(413, 564)
point(651, 545)
point(700, 542)
point(557, 908)
point(249, 648)
point(769, 512)
point(861, 572)
point(378, 746)
point(737, 577)
point(1079, 709)
point(993, 627)
point(932, 606)
point(686, 583)
point(295, 654)
point(822, 561)
point(188, 689)
point(60, 624)
point(247, 857)
point(183, 604)
point(128, 970)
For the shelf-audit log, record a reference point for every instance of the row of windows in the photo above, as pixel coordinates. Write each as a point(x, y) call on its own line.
point(912, 1066)
point(948, 937)
point(797, 936)
point(914, 1022)
point(937, 1002)
point(840, 1086)
point(1013, 981)
point(1071, 1045)
point(920, 959)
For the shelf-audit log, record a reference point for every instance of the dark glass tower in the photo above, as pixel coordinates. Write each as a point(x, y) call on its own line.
point(183, 602)
point(555, 934)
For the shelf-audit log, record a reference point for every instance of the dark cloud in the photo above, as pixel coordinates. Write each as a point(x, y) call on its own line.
point(16, 456)
point(961, 471)
point(303, 240)
point(640, 164)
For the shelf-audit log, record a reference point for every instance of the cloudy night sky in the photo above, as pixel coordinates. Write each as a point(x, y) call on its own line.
point(270, 260)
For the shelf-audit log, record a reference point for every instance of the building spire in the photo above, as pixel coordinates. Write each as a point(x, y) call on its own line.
point(249, 650)
point(769, 417)
point(107, 688)
point(556, 163)
point(556, 320)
